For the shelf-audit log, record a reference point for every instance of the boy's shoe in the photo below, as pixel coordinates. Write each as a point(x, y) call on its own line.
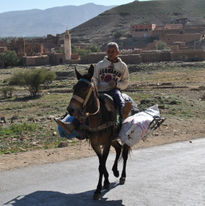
point(67, 126)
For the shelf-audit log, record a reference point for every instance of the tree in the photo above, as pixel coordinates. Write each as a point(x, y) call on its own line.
point(32, 80)
point(9, 58)
point(117, 34)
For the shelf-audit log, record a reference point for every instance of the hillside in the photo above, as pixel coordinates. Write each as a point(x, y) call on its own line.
point(103, 27)
point(50, 21)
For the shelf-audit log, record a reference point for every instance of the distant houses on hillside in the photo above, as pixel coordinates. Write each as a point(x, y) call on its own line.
point(177, 36)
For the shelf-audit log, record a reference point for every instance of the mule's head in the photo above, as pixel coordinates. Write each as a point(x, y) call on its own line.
point(80, 92)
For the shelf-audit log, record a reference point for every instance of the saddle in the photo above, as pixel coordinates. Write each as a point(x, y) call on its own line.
point(130, 107)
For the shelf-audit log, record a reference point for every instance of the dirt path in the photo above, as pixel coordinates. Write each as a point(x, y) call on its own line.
point(172, 130)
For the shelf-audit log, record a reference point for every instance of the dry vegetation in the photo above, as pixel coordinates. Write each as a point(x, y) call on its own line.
point(27, 125)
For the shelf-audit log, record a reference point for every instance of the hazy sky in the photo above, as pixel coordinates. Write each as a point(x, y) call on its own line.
point(13, 5)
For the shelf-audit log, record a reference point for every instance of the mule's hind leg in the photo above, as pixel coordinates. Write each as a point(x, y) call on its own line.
point(118, 148)
point(125, 152)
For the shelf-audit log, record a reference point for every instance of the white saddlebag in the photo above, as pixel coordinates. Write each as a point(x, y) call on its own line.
point(135, 127)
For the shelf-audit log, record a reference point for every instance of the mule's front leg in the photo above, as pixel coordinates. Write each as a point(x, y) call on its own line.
point(102, 171)
point(97, 194)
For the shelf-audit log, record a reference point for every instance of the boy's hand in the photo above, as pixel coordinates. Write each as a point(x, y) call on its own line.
point(112, 83)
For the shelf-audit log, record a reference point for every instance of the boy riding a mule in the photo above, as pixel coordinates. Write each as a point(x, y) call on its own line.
point(95, 113)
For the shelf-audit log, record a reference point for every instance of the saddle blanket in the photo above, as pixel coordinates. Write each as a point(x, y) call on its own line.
point(135, 127)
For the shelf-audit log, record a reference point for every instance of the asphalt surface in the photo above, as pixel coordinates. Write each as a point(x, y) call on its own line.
point(159, 176)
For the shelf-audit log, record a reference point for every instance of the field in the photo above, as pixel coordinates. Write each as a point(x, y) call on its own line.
point(29, 135)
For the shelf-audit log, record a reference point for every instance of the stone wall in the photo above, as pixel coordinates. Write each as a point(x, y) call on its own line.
point(170, 38)
point(188, 55)
point(58, 58)
point(144, 57)
point(151, 56)
point(92, 58)
point(132, 58)
point(36, 60)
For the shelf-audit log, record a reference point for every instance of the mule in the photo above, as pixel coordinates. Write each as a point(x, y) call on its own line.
point(98, 125)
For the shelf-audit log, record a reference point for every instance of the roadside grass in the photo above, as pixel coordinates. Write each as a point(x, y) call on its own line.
point(17, 129)
point(171, 105)
point(175, 74)
point(11, 136)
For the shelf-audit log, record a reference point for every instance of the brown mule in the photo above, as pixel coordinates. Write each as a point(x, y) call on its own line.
point(98, 124)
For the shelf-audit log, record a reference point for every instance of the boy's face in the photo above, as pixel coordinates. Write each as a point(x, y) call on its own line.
point(112, 53)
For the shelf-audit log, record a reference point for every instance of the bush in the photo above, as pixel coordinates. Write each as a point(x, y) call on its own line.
point(32, 80)
point(9, 58)
point(160, 45)
point(7, 92)
point(93, 48)
point(117, 34)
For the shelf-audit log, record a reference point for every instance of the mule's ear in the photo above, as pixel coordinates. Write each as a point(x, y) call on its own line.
point(91, 71)
point(78, 75)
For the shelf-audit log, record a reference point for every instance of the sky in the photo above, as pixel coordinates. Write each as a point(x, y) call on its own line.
point(14, 5)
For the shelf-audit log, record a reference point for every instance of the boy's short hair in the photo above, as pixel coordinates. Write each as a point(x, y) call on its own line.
point(113, 45)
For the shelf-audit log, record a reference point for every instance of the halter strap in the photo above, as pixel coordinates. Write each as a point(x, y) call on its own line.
point(85, 101)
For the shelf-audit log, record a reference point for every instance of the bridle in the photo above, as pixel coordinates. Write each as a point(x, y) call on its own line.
point(84, 102)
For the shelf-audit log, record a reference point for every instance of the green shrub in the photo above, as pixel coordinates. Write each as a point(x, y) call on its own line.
point(160, 45)
point(9, 58)
point(93, 48)
point(7, 91)
point(32, 79)
point(85, 51)
point(17, 129)
point(117, 34)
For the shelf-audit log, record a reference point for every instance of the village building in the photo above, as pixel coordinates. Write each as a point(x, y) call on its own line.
point(3, 49)
point(42, 51)
point(142, 30)
point(176, 36)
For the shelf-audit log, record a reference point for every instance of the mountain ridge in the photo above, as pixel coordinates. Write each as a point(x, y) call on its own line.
point(37, 22)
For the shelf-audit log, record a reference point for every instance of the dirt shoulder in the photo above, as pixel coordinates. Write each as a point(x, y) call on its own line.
point(172, 130)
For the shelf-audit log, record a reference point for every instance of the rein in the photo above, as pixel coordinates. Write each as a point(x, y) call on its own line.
point(85, 101)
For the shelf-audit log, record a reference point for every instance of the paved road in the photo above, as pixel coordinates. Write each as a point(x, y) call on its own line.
point(159, 176)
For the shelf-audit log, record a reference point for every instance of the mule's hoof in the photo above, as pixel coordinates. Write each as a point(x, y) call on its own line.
point(106, 186)
point(116, 173)
point(97, 196)
point(122, 180)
